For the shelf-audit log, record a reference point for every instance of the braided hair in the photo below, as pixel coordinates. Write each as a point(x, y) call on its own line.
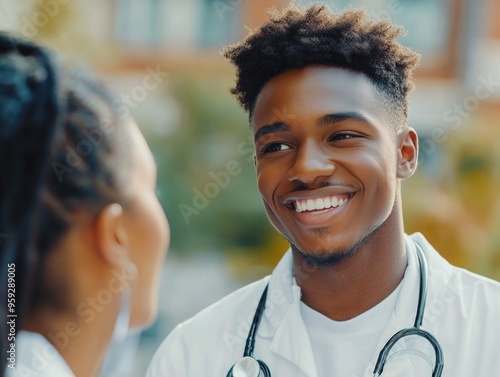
point(28, 117)
point(62, 149)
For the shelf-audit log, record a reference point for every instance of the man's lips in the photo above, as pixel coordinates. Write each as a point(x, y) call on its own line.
point(326, 202)
point(320, 199)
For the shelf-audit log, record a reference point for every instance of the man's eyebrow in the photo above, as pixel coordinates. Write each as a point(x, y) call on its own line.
point(271, 128)
point(327, 119)
point(330, 119)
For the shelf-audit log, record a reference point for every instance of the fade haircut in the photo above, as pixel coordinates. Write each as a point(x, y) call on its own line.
point(297, 37)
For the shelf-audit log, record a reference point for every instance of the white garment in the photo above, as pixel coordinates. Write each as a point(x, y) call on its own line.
point(462, 312)
point(351, 341)
point(36, 357)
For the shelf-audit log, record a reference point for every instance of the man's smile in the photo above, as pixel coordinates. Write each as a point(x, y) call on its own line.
point(317, 207)
point(331, 179)
point(313, 205)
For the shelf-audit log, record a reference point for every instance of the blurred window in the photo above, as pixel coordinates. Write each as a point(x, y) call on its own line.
point(219, 22)
point(178, 25)
point(428, 22)
point(139, 21)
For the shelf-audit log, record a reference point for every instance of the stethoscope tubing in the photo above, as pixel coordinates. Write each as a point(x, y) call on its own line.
point(384, 353)
point(250, 342)
point(415, 330)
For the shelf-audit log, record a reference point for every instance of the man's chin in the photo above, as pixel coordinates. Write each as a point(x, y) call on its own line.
point(333, 251)
point(324, 258)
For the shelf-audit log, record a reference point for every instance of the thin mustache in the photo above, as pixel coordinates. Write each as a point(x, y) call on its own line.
point(307, 187)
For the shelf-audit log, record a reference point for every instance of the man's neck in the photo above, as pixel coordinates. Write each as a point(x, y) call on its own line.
point(357, 283)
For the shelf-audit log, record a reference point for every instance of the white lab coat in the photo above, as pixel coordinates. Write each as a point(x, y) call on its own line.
point(462, 312)
point(36, 357)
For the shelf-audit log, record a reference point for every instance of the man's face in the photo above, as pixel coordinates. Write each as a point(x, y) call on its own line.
point(326, 159)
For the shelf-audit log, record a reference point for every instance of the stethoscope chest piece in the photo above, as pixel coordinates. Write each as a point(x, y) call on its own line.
point(249, 366)
point(246, 367)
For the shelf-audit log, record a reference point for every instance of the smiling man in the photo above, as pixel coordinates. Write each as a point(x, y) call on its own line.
point(354, 296)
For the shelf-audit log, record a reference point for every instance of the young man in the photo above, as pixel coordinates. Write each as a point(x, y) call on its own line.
point(327, 99)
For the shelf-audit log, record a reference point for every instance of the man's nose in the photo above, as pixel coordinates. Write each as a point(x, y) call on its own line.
point(311, 162)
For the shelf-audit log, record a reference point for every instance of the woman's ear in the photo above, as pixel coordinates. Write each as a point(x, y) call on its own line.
point(407, 152)
point(111, 236)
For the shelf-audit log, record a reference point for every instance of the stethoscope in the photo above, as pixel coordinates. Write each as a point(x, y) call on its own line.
point(249, 366)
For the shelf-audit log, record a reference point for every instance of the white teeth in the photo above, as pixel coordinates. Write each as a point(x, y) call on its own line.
point(327, 202)
point(300, 207)
point(310, 205)
point(319, 203)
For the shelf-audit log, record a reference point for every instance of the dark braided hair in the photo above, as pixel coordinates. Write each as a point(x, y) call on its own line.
point(297, 38)
point(28, 108)
point(61, 151)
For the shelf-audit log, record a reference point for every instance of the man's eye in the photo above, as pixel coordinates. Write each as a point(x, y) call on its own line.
point(341, 137)
point(275, 147)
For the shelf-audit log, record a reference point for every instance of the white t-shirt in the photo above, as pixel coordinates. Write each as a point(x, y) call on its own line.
point(462, 311)
point(345, 348)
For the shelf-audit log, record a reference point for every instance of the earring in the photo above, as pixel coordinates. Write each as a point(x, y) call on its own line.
point(132, 271)
point(123, 319)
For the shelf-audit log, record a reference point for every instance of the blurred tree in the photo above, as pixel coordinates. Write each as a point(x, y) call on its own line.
point(206, 173)
point(77, 29)
point(458, 209)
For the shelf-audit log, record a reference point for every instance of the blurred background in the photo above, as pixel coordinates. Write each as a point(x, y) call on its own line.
point(162, 58)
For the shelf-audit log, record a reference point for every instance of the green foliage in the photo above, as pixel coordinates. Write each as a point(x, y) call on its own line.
point(454, 197)
point(212, 133)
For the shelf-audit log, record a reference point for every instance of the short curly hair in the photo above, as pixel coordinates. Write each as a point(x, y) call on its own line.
point(299, 37)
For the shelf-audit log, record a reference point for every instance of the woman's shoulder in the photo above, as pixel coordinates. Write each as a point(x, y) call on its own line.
point(34, 356)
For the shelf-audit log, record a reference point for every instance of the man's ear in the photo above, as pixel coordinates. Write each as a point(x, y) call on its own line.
point(111, 236)
point(407, 152)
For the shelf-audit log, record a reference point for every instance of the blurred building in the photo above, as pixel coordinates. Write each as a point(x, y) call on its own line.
point(455, 107)
point(458, 39)
point(162, 56)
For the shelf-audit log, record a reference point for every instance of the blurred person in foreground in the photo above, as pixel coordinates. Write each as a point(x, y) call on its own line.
point(84, 234)
point(327, 99)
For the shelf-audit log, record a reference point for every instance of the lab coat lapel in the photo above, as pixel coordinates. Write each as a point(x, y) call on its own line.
point(291, 339)
point(402, 317)
point(405, 311)
point(283, 320)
